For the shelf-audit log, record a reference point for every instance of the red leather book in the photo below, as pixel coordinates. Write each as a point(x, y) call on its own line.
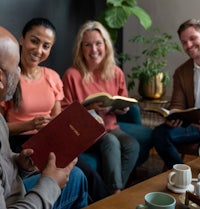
point(68, 135)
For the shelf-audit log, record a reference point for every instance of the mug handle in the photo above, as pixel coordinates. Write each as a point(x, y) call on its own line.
point(141, 206)
point(171, 174)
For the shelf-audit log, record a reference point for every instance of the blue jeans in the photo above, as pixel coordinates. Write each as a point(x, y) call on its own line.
point(166, 139)
point(119, 153)
point(73, 196)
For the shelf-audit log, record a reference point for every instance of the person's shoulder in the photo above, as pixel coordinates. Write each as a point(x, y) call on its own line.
point(119, 73)
point(118, 70)
point(52, 76)
point(51, 72)
point(188, 64)
point(71, 71)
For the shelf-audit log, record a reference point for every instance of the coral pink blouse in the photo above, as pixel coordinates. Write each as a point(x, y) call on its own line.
point(75, 89)
point(38, 97)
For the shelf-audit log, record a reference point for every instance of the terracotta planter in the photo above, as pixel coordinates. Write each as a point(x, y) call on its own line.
point(152, 88)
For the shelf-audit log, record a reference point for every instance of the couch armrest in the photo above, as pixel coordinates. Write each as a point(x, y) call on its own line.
point(132, 116)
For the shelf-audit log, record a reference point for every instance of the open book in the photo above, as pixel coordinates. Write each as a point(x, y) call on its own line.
point(69, 134)
point(117, 102)
point(188, 116)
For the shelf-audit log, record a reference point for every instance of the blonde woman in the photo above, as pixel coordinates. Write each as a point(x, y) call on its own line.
point(94, 70)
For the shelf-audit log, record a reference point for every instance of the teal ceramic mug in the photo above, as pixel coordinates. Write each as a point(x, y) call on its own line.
point(158, 200)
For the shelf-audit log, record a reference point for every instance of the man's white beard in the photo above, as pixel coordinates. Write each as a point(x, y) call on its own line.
point(10, 89)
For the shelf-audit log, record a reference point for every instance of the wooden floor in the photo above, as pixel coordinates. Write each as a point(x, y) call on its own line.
point(153, 166)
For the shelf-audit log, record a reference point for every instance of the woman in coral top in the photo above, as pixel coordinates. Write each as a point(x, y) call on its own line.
point(40, 89)
point(94, 70)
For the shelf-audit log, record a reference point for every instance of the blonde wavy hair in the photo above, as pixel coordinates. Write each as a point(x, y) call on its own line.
point(108, 63)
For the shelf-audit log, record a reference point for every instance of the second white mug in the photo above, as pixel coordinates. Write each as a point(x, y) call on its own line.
point(181, 176)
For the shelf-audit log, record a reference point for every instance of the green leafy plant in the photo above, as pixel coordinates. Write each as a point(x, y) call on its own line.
point(116, 13)
point(156, 46)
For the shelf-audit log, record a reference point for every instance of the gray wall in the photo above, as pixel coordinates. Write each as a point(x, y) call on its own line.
point(66, 15)
point(167, 15)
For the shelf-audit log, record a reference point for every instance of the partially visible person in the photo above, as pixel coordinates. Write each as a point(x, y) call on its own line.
point(94, 70)
point(37, 99)
point(186, 94)
point(53, 188)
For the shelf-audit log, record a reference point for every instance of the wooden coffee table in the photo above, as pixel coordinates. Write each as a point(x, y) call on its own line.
point(131, 197)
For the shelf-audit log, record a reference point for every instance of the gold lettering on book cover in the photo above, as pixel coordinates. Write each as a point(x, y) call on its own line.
point(74, 130)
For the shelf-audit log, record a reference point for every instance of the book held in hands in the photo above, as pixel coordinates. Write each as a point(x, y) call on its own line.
point(188, 116)
point(117, 102)
point(68, 135)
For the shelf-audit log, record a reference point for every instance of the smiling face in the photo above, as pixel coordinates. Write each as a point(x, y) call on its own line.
point(190, 39)
point(36, 46)
point(93, 49)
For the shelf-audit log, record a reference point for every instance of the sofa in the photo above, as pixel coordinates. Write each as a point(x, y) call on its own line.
point(131, 124)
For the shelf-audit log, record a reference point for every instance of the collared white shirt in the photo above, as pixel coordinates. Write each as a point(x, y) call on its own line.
point(197, 85)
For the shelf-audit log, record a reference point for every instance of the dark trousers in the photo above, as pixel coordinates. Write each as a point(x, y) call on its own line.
point(97, 189)
point(166, 139)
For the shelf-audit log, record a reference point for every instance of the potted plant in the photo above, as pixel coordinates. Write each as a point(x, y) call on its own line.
point(116, 13)
point(150, 64)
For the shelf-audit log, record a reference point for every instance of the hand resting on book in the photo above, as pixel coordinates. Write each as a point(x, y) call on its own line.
point(117, 102)
point(62, 134)
point(61, 176)
point(99, 110)
point(178, 117)
point(97, 106)
point(96, 116)
point(174, 123)
point(121, 111)
point(184, 117)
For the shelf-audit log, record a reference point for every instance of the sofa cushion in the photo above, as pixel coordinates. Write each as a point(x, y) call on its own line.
point(92, 159)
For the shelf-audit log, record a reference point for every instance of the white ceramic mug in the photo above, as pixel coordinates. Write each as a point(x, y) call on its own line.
point(181, 176)
point(158, 200)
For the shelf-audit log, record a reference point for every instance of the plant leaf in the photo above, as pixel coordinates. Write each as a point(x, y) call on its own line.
point(144, 18)
point(116, 17)
point(116, 3)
